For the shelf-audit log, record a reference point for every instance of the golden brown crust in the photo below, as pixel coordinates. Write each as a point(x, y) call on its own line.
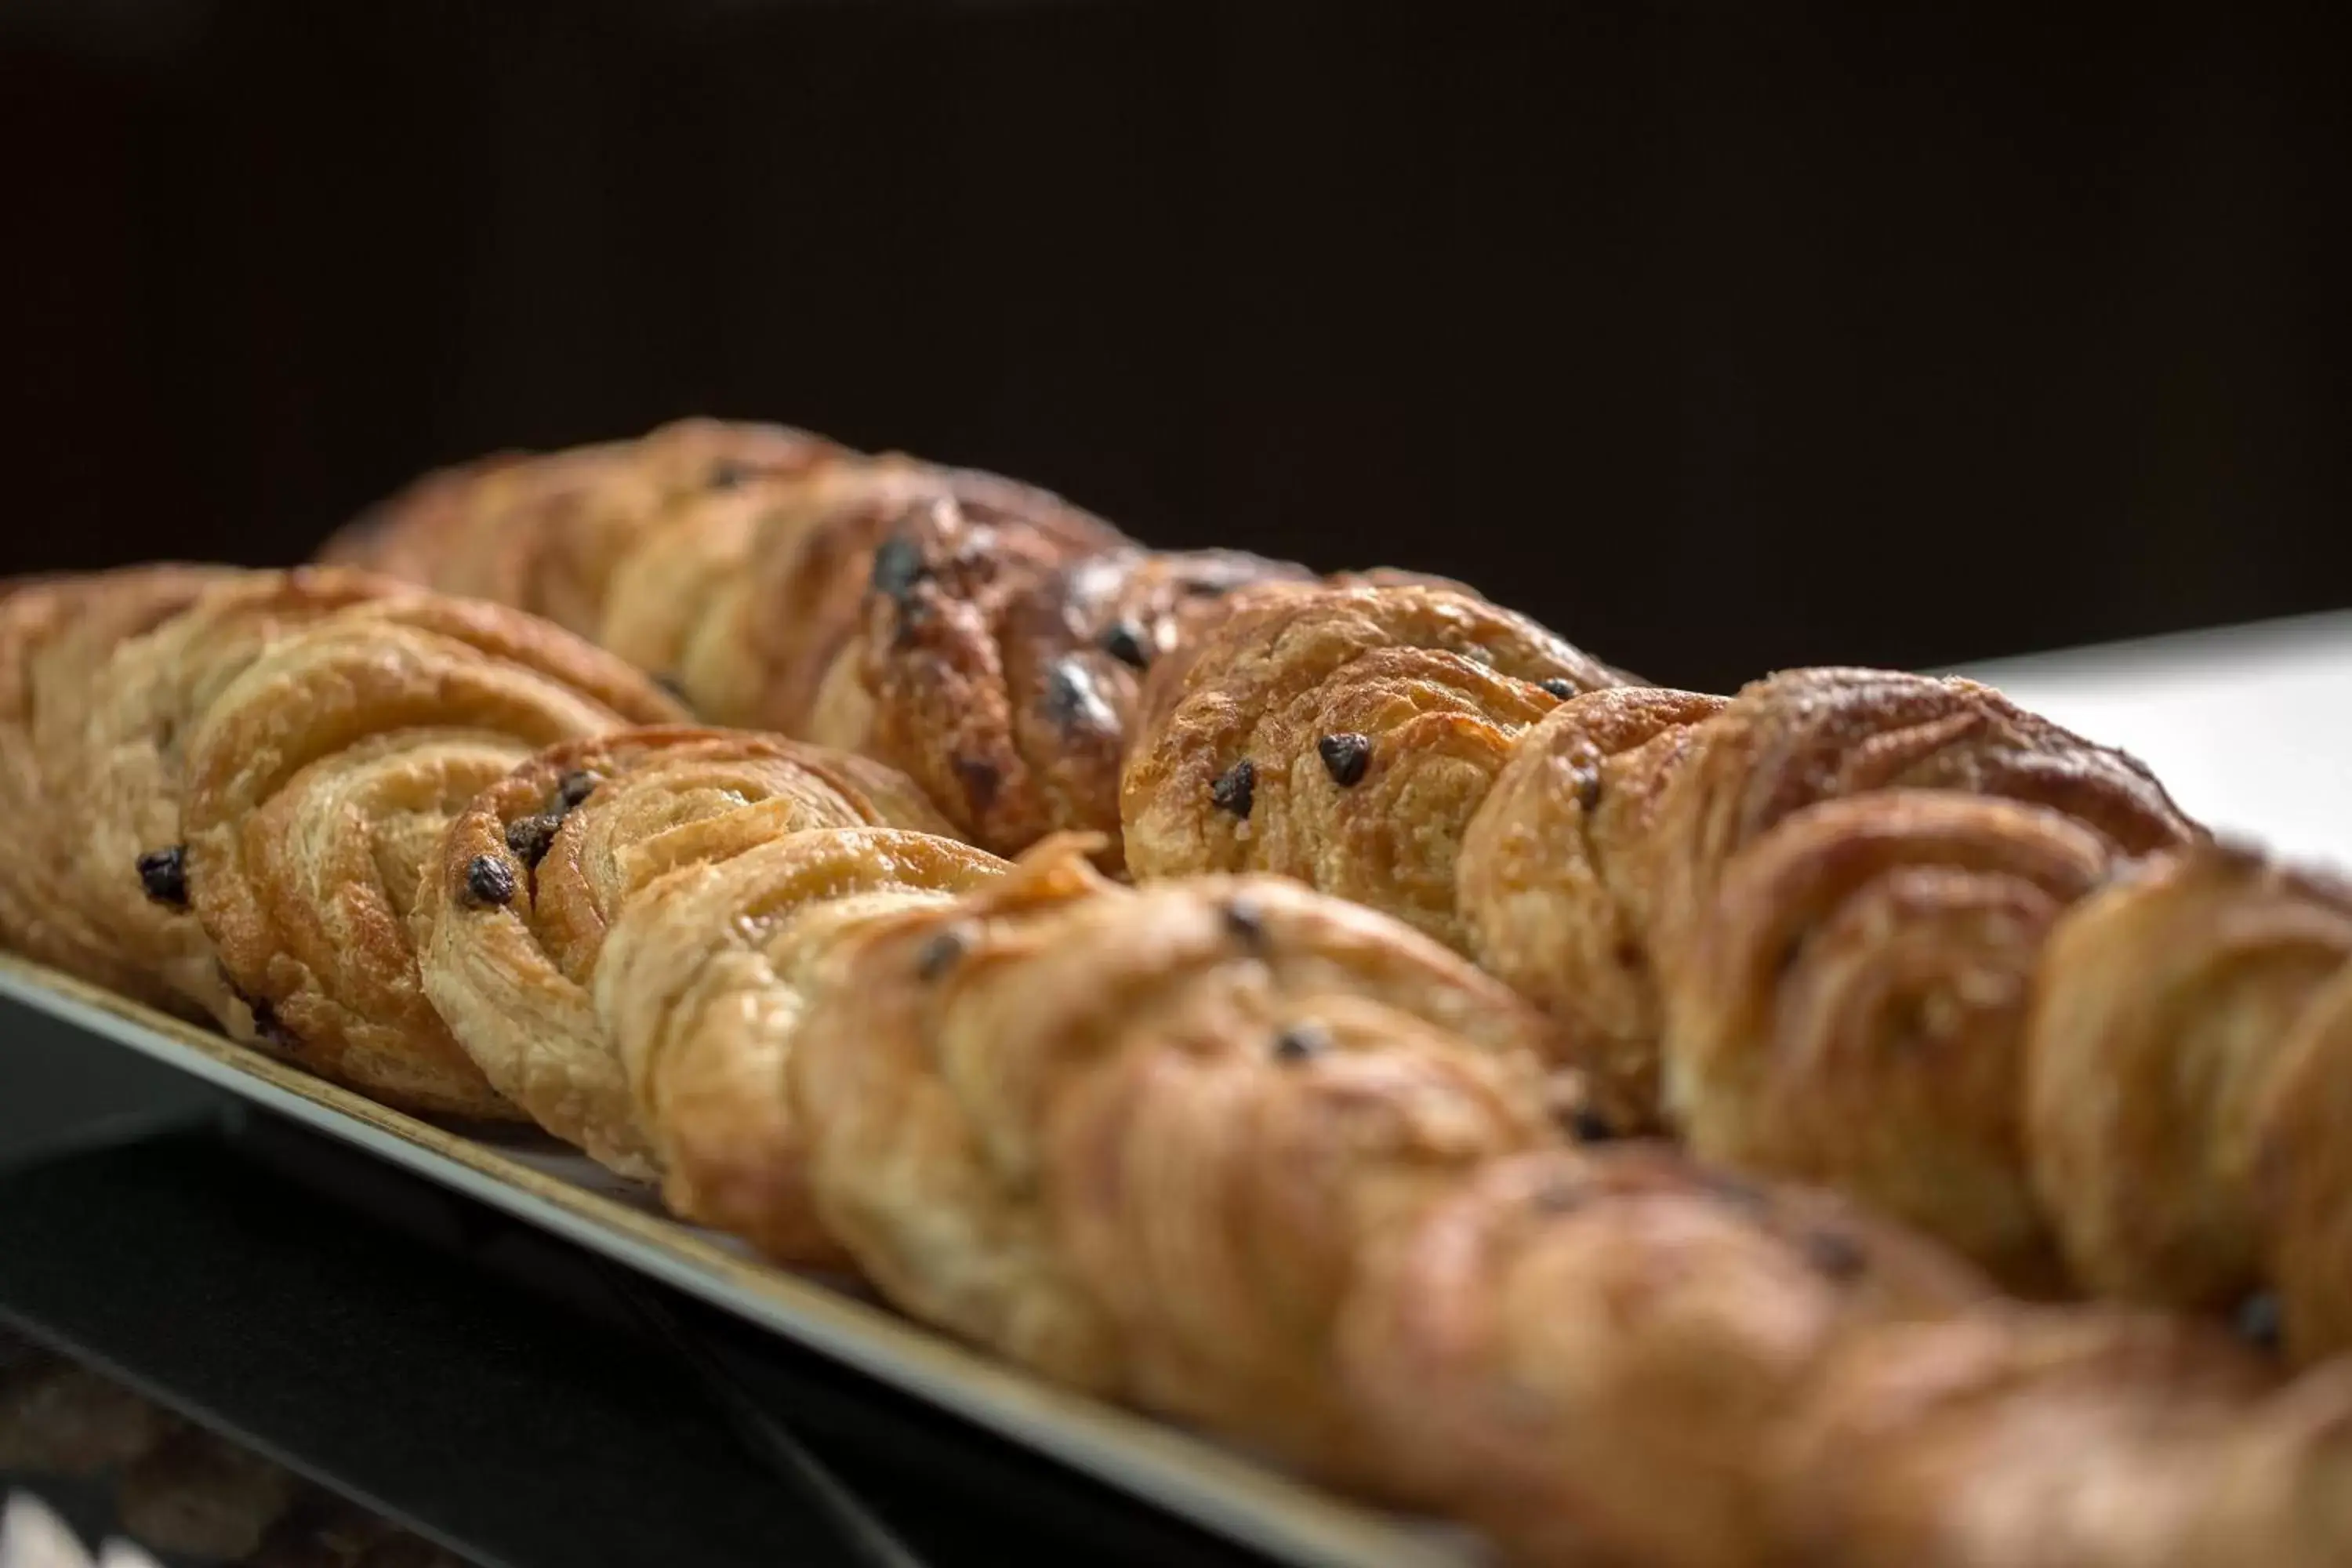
point(145, 704)
point(2159, 1017)
point(775, 634)
point(317, 788)
point(2303, 1174)
point(1001, 671)
point(543, 532)
point(1344, 737)
point(1138, 1139)
point(2081, 1439)
point(1583, 1351)
point(55, 636)
point(702, 988)
point(1854, 1011)
point(1808, 736)
point(2279, 1491)
point(582, 827)
point(1547, 881)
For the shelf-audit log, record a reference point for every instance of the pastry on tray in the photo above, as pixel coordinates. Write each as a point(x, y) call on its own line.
point(578, 830)
point(1343, 736)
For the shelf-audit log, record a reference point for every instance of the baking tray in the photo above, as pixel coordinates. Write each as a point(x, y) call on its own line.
point(549, 1185)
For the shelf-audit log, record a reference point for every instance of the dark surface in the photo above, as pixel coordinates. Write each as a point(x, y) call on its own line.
point(472, 1378)
point(1720, 336)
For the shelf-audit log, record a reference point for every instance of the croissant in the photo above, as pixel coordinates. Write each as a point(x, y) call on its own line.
point(1585, 1353)
point(2159, 1023)
point(579, 828)
point(1138, 1141)
point(1852, 1010)
point(1003, 670)
point(1344, 737)
point(1808, 735)
point(317, 788)
point(54, 634)
point(2081, 1439)
point(1547, 881)
point(143, 704)
point(774, 645)
point(703, 988)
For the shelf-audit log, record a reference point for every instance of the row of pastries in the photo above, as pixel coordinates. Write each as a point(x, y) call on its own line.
point(1830, 1123)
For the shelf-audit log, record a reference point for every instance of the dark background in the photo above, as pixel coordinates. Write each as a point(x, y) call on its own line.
point(1721, 337)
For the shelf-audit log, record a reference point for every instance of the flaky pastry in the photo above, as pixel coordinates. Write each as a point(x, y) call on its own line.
point(54, 635)
point(1003, 672)
point(703, 988)
point(1584, 1351)
point(1140, 1140)
point(317, 788)
point(1808, 736)
point(774, 647)
point(1853, 1012)
point(579, 828)
point(2303, 1174)
point(143, 704)
point(1548, 882)
point(2077, 1439)
point(2160, 1015)
point(1343, 736)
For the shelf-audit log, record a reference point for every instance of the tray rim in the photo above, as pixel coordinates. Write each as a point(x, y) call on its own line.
point(1159, 1463)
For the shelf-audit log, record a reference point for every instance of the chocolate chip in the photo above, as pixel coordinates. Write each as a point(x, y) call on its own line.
point(940, 954)
point(1300, 1042)
point(1235, 789)
point(1074, 702)
point(673, 686)
point(1123, 640)
point(1345, 757)
point(576, 787)
point(489, 881)
point(1587, 1125)
point(727, 473)
point(164, 874)
point(979, 780)
point(531, 836)
point(898, 567)
point(2256, 1322)
point(1588, 788)
point(1245, 921)
point(1563, 689)
point(1206, 588)
point(1837, 1255)
point(265, 1024)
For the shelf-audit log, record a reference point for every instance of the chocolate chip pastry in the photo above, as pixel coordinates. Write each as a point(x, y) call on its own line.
point(575, 832)
point(2188, 1050)
point(316, 790)
point(773, 644)
point(1001, 669)
point(142, 704)
point(54, 634)
point(1140, 1141)
point(1590, 1353)
point(1344, 736)
point(545, 533)
point(703, 987)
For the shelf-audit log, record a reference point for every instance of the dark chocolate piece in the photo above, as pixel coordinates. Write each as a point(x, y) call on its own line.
point(1235, 789)
point(1345, 757)
point(576, 787)
point(531, 836)
point(1563, 689)
point(1300, 1042)
point(164, 874)
point(489, 881)
point(1123, 640)
point(898, 567)
point(940, 954)
point(1074, 702)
